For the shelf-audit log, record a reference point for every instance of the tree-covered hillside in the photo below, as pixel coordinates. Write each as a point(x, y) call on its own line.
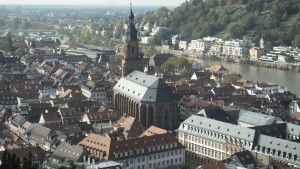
point(278, 21)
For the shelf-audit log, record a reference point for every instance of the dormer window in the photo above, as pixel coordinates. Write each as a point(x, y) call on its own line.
point(137, 151)
point(142, 150)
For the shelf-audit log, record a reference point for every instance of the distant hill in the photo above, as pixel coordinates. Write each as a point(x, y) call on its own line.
point(278, 21)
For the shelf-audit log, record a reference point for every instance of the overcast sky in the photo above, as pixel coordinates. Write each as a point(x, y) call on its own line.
point(94, 2)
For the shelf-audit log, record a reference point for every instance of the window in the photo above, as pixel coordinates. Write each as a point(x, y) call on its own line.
point(143, 158)
point(142, 151)
point(150, 158)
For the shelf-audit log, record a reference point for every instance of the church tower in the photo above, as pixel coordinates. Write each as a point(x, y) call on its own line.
point(132, 60)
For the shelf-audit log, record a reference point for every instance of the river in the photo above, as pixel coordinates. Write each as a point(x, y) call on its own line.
point(289, 79)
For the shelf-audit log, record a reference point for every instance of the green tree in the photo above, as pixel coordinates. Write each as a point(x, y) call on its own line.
point(118, 29)
point(85, 33)
point(296, 42)
point(174, 62)
point(163, 12)
point(117, 59)
point(184, 72)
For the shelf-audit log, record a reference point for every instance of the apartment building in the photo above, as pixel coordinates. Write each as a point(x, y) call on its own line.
point(146, 152)
point(199, 45)
point(209, 140)
point(235, 49)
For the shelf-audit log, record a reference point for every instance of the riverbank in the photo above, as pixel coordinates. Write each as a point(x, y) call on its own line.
point(278, 65)
point(285, 78)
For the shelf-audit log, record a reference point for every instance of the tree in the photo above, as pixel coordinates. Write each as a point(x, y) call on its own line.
point(174, 62)
point(118, 29)
point(85, 33)
point(163, 12)
point(117, 59)
point(184, 72)
point(296, 42)
point(6, 44)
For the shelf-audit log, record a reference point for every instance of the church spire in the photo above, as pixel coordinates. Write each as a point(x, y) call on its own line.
point(131, 32)
point(132, 60)
point(131, 16)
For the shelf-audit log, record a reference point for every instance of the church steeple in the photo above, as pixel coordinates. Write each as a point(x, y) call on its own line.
point(131, 32)
point(131, 57)
point(131, 16)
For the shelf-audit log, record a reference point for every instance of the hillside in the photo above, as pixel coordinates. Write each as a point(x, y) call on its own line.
point(278, 21)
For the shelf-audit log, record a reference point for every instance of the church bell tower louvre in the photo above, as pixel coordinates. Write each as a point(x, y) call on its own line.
point(132, 60)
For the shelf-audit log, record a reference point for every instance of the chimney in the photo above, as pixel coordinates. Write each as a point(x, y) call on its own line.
point(84, 159)
point(89, 160)
point(93, 161)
